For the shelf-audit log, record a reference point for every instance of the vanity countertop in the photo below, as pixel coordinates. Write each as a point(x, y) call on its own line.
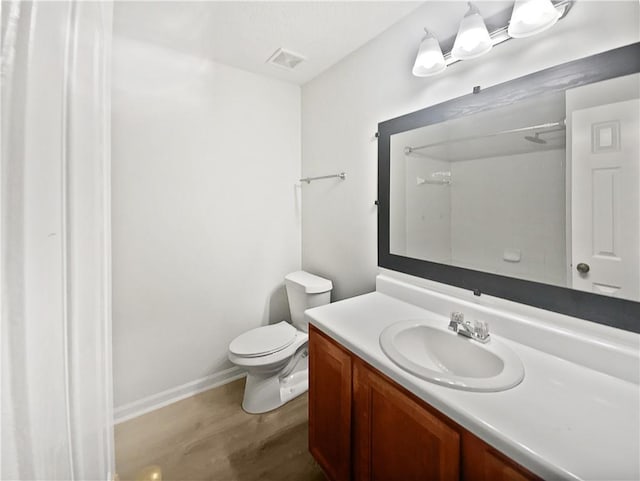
point(564, 421)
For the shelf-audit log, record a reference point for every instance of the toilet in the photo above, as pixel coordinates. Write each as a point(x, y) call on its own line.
point(276, 356)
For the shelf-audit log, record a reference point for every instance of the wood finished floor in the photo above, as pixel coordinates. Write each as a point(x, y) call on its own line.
point(210, 437)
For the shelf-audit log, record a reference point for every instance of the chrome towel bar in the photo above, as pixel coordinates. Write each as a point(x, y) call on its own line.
point(308, 180)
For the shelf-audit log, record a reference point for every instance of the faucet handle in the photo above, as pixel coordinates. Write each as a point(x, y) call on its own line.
point(481, 329)
point(457, 318)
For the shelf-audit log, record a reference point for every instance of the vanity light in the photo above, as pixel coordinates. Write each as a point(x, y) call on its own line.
point(473, 37)
point(429, 60)
point(530, 17)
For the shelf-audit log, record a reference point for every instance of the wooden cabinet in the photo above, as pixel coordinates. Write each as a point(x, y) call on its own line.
point(395, 437)
point(330, 406)
point(364, 426)
point(482, 462)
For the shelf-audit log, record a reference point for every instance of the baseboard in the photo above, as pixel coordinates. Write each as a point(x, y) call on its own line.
point(164, 398)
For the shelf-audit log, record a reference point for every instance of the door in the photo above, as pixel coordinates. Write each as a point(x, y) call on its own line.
point(605, 199)
point(396, 438)
point(330, 406)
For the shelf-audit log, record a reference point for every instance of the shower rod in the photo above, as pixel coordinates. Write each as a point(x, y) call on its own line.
point(308, 180)
point(549, 125)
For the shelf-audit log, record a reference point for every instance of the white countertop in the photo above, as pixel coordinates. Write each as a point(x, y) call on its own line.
point(564, 421)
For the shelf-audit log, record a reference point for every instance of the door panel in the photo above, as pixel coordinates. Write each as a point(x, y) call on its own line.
point(330, 406)
point(606, 199)
point(396, 438)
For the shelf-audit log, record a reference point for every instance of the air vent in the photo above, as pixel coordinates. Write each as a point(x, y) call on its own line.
point(285, 59)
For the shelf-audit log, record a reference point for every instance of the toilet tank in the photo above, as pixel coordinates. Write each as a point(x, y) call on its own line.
point(305, 291)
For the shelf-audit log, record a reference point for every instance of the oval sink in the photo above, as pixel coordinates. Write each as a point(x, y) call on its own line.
point(444, 357)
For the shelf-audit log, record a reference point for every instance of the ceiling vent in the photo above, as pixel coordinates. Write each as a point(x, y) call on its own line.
point(285, 59)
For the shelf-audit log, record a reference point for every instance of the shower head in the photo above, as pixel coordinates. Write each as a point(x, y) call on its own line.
point(535, 139)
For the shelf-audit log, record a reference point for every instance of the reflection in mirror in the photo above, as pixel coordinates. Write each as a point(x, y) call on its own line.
point(546, 189)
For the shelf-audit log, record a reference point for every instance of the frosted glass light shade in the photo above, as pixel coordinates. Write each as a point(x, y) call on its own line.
point(429, 60)
point(473, 38)
point(530, 17)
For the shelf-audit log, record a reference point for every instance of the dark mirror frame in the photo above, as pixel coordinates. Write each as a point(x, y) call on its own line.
point(620, 313)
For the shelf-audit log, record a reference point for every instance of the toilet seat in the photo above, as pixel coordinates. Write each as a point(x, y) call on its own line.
point(277, 357)
point(264, 340)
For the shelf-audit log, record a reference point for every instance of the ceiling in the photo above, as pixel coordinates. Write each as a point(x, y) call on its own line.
point(245, 34)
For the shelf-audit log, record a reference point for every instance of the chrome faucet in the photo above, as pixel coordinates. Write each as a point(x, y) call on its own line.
point(478, 331)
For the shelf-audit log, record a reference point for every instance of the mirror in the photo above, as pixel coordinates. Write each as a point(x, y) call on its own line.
point(539, 183)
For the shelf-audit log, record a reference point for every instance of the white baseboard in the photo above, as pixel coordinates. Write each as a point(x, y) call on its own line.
point(164, 398)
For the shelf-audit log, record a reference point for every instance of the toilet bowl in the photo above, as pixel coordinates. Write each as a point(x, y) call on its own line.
point(275, 356)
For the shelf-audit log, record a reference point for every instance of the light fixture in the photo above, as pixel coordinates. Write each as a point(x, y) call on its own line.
point(429, 60)
point(530, 17)
point(473, 37)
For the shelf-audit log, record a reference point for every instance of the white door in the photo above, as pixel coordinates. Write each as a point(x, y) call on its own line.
point(606, 200)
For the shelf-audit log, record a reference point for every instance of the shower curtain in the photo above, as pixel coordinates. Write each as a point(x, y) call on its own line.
point(56, 390)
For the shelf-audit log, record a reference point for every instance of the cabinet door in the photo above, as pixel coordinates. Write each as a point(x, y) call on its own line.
point(481, 462)
point(330, 406)
point(396, 438)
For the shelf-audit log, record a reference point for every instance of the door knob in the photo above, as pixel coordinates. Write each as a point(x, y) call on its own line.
point(583, 268)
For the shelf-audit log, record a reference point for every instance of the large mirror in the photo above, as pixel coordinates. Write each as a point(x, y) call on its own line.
point(535, 186)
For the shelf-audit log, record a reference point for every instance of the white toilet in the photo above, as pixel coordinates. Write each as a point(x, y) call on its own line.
point(275, 356)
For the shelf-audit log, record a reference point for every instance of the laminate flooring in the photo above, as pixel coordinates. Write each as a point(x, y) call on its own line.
point(210, 437)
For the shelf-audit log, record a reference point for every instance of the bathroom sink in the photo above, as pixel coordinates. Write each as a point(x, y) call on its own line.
point(444, 357)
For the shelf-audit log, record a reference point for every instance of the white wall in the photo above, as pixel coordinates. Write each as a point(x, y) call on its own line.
point(342, 107)
point(525, 212)
point(206, 218)
point(428, 210)
point(420, 215)
point(460, 224)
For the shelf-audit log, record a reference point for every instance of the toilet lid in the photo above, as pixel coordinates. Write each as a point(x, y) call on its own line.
point(263, 340)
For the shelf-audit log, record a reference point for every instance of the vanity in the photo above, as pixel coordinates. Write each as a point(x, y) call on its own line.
point(573, 416)
point(515, 206)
